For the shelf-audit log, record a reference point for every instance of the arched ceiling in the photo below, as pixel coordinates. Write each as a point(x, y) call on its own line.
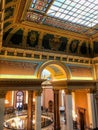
point(39, 12)
point(56, 72)
point(22, 16)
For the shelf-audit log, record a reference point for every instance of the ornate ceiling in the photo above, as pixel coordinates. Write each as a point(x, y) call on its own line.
point(47, 17)
point(74, 15)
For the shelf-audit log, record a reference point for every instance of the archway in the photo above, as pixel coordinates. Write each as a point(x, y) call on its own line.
point(53, 71)
point(55, 68)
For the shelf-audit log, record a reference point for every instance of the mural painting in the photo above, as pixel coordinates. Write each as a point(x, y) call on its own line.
point(95, 47)
point(32, 38)
point(78, 71)
point(83, 48)
point(20, 67)
point(17, 37)
point(74, 46)
point(90, 51)
point(54, 42)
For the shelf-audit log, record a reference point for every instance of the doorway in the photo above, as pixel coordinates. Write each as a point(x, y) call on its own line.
point(82, 118)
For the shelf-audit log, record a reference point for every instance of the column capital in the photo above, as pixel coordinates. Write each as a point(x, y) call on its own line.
point(91, 90)
point(68, 91)
point(2, 93)
point(38, 92)
point(56, 90)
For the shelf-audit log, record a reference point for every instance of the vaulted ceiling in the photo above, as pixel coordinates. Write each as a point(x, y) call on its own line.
point(74, 19)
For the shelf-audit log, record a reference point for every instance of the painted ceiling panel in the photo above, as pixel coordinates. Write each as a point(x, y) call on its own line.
point(77, 16)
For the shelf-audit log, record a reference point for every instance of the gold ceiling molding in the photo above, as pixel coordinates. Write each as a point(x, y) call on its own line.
point(52, 30)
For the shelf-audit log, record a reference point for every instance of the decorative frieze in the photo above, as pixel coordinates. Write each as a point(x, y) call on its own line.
point(68, 91)
point(17, 67)
point(77, 71)
point(2, 93)
point(38, 92)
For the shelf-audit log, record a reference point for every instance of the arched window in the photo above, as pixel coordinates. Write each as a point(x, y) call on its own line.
point(19, 99)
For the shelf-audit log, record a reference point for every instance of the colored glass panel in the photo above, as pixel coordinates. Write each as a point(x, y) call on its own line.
point(73, 15)
point(40, 5)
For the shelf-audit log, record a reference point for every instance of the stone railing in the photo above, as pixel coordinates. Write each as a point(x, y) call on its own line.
point(95, 60)
point(43, 55)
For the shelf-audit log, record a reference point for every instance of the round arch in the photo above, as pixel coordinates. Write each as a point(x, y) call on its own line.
point(57, 64)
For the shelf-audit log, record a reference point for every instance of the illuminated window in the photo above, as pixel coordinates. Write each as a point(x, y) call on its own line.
point(19, 99)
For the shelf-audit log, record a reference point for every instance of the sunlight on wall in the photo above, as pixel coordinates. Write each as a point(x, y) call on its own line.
point(56, 79)
point(81, 78)
point(17, 76)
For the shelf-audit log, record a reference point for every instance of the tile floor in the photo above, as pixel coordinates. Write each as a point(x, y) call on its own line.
point(63, 126)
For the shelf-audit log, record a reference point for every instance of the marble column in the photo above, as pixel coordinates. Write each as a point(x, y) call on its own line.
point(69, 118)
point(56, 110)
point(30, 111)
point(38, 110)
point(91, 109)
point(2, 107)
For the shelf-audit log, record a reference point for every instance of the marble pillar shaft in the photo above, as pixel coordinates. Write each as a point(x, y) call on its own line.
point(91, 110)
point(69, 118)
point(38, 111)
point(30, 111)
point(56, 110)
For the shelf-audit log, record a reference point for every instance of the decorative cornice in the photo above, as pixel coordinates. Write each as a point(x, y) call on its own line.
point(2, 93)
point(68, 91)
point(56, 91)
point(91, 90)
point(20, 84)
point(74, 84)
point(38, 92)
point(35, 84)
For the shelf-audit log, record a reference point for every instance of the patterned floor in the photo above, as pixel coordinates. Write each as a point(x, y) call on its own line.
point(62, 123)
point(51, 127)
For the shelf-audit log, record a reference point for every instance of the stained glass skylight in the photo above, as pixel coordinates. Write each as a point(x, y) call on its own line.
point(82, 12)
point(74, 15)
point(40, 5)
